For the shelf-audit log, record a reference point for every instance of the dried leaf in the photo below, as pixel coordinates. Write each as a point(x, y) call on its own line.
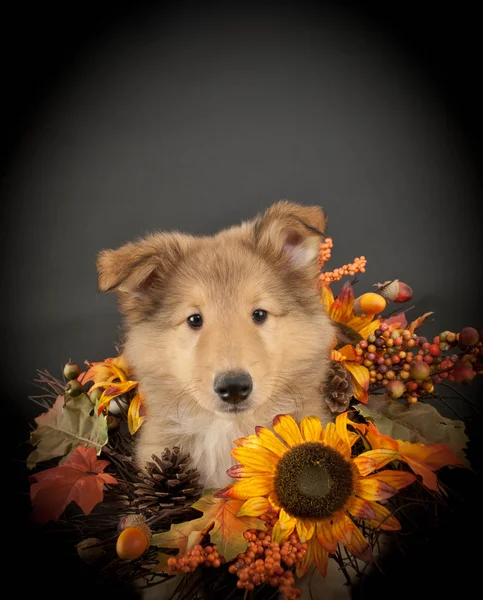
point(228, 529)
point(418, 322)
point(183, 536)
point(415, 423)
point(63, 428)
point(79, 479)
point(396, 321)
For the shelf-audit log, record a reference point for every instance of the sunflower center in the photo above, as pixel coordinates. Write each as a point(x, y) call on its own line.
point(313, 481)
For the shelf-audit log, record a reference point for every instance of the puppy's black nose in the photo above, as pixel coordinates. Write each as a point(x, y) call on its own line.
point(233, 387)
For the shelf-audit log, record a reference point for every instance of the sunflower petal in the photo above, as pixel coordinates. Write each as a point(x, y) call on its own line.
point(321, 557)
point(283, 527)
point(113, 391)
point(342, 431)
point(326, 297)
point(302, 566)
point(270, 441)
point(286, 427)
point(341, 310)
point(247, 488)
point(250, 441)
point(272, 498)
point(348, 352)
point(360, 380)
point(372, 460)
point(134, 419)
point(361, 508)
point(358, 545)
point(325, 535)
point(311, 429)
point(257, 459)
point(242, 472)
point(306, 530)
point(254, 507)
point(382, 485)
point(368, 329)
point(383, 519)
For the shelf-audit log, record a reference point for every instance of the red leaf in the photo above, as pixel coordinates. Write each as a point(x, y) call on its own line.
point(79, 479)
point(398, 320)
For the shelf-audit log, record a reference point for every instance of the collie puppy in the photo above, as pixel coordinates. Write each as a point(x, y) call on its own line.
point(223, 332)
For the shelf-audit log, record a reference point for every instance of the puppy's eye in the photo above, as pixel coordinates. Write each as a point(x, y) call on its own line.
point(259, 315)
point(195, 321)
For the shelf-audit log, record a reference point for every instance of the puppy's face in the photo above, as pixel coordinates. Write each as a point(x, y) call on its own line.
point(228, 324)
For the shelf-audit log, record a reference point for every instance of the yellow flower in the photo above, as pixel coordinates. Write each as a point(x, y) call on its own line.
point(308, 475)
point(341, 310)
point(114, 376)
point(359, 373)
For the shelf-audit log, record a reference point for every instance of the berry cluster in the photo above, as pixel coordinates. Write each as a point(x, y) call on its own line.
point(266, 561)
point(198, 556)
point(409, 366)
point(325, 252)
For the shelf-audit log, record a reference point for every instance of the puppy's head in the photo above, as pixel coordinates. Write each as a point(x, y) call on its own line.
point(230, 323)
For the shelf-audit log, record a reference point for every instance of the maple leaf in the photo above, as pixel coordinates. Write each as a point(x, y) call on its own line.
point(63, 428)
point(228, 529)
point(80, 479)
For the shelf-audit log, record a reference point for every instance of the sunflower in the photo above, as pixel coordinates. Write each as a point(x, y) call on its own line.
point(307, 475)
point(114, 375)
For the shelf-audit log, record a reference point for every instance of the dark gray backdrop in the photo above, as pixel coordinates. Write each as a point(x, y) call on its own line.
point(197, 119)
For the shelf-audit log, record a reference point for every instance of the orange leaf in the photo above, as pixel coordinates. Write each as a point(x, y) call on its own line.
point(418, 322)
point(181, 535)
point(79, 479)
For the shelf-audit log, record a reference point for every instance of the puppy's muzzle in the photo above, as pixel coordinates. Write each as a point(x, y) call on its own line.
point(233, 387)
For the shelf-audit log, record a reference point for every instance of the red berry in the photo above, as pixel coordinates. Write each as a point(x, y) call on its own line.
point(463, 373)
point(434, 349)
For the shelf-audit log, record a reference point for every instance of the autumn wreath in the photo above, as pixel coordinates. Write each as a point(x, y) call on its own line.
point(302, 494)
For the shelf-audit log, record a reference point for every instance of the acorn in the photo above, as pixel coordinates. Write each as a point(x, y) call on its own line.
point(71, 370)
point(394, 291)
point(90, 550)
point(133, 541)
point(74, 388)
point(389, 290)
point(369, 304)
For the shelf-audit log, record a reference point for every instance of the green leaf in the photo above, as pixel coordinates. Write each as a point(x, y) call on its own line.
point(63, 428)
point(415, 423)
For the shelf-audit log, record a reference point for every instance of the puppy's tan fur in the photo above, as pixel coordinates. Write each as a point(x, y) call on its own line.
point(269, 263)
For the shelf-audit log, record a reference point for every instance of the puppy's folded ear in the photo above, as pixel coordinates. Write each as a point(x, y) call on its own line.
point(138, 271)
point(291, 232)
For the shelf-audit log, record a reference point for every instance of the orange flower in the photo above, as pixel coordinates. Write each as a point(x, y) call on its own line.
point(359, 373)
point(307, 474)
point(341, 310)
point(114, 376)
point(422, 459)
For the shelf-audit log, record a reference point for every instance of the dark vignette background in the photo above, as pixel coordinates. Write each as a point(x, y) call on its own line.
point(117, 120)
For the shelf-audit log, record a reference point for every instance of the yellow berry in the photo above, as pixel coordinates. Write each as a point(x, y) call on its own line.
point(132, 542)
point(369, 304)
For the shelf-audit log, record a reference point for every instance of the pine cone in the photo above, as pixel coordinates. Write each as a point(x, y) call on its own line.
point(166, 483)
point(337, 390)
